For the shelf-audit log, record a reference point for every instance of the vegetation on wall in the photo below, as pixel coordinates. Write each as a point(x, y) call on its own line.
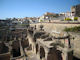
point(73, 29)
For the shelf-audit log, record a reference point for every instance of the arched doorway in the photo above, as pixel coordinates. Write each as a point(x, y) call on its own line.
point(16, 53)
point(16, 49)
point(59, 54)
point(42, 53)
point(36, 48)
point(25, 43)
point(54, 54)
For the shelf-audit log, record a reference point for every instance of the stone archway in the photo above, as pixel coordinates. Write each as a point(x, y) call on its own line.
point(59, 54)
point(42, 53)
point(16, 49)
point(54, 55)
point(37, 48)
point(25, 43)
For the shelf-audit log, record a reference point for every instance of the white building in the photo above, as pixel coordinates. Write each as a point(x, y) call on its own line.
point(68, 15)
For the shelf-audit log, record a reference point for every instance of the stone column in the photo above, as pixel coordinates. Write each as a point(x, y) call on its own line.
point(32, 47)
point(35, 48)
point(38, 53)
point(64, 56)
point(21, 49)
point(46, 54)
point(10, 48)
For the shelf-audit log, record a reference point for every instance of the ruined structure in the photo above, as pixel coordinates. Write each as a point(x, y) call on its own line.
point(76, 10)
point(14, 49)
point(49, 47)
point(45, 45)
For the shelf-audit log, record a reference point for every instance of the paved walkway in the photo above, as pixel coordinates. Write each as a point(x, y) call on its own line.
point(32, 56)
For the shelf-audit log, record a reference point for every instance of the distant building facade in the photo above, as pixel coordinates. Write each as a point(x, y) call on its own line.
point(67, 15)
point(76, 10)
point(47, 16)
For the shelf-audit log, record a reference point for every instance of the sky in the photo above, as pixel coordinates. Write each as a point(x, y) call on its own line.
point(33, 8)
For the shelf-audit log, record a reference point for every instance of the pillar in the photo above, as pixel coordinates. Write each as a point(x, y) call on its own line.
point(38, 53)
point(64, 56)
point(67, 55)
point(21, 49)
point(46, 54)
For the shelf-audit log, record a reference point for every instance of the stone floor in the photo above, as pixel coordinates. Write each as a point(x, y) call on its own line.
point(32, 56)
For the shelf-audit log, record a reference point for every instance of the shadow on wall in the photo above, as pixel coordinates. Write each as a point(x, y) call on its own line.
point(3, 48)
point(75, 58)
point(4, 52)
point(16, 49)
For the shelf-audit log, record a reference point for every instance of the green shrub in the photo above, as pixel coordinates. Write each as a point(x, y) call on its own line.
point(68, 19)
point(41, 20)
point(75, 18)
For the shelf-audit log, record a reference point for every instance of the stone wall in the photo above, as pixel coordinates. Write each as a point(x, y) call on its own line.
point(54, 27)
point(5, 56)
point(76, 44)
point(79, 19)
point(58, 28)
